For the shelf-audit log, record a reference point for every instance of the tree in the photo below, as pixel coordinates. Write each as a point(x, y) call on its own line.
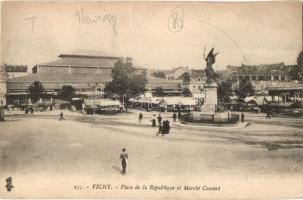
point(159, 91)
point(297, 72)
point(244, 89)
point(186, 92)
point(159, 74)
point(224, 92)
point(36, 91)
point(67, 92)
point(126, 80)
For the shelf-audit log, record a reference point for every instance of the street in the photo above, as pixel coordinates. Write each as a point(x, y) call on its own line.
point(46, 151)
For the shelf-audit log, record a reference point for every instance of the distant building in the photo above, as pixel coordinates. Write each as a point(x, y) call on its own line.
point(13, 71)
point(2, 86)
point(194, 80)
point(169, 87)
point(175, 73)
point(78, 64)
point(88, 74)
point(270, 72)
point(261, 76)
point(84, 84)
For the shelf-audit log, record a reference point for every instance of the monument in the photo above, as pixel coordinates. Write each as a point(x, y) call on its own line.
point(209, 112)
point(210, 89)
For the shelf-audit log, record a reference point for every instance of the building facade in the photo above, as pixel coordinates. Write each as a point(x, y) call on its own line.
point(13, 71)
point(261, 76)
point(270, 72)
point(194, 80)
point(2, 86)
point(86, 73)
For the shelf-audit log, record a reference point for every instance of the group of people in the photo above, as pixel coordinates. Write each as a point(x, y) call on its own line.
point(164, 127)
point(29, 109)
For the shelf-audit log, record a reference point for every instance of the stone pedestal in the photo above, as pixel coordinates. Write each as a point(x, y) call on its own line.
point(211, 98)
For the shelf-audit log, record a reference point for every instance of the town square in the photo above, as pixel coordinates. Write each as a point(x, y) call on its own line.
point(118, 108)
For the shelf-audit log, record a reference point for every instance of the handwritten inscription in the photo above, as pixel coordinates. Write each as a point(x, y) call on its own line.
point(84, 18)
point(33, 20)
point(175, 21)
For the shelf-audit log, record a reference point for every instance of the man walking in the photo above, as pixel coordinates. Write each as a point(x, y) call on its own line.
point(154, 120)
point(242, 117)
point(160, 129)
point(140, 117)
point(61, 116)
point(159, 119)
point(174, 116)
point(267, 115)
point(179, 115)
point(124, 158)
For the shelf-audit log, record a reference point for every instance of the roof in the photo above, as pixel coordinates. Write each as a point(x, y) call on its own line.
point(285, 87)
point(61, 77)
point(15, 68)
point(262, 70)
point(197, 73)
point(84, 59)
point(91, 53)
point(154, 82)
point(81, 61)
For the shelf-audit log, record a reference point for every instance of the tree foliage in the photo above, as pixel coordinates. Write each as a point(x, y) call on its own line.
point(224, 92)
point(244, 89)
point(36, 91)
point(297, 72)
point(186, 92)
point(67, 92)
point(126, 80)
point(159, 74)
point(159, 91)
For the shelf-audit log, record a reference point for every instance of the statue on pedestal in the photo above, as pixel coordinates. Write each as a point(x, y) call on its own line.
point(209, 71)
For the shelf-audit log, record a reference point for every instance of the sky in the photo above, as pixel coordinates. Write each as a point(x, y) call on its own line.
point(155, 34)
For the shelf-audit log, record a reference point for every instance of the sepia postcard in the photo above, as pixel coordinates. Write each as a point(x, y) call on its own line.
point(151, 100)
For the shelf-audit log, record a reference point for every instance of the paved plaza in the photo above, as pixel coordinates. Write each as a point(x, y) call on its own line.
point(39, 147)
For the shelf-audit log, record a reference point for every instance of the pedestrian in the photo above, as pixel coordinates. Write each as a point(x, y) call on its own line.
point(51, 107)
point(140, 117)
point(159, 119)
point(154, 120)
point(160, 129)
point(242, 117)
point(167, 126)
point(267, 115)
point(174, 116)
point(26, 110)
point(61, 116)
point(124, 159)
point(32, 110)
point(179, 115)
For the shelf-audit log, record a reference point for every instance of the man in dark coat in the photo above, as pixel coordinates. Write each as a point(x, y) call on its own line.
point(174, 117)
point(160, 129)
point(154, 120)
point(242, 117)
point(140, 117)
point(61, 116)
point(159, 119)
point(124, 158)
point(267, 115)
point(179, 115)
